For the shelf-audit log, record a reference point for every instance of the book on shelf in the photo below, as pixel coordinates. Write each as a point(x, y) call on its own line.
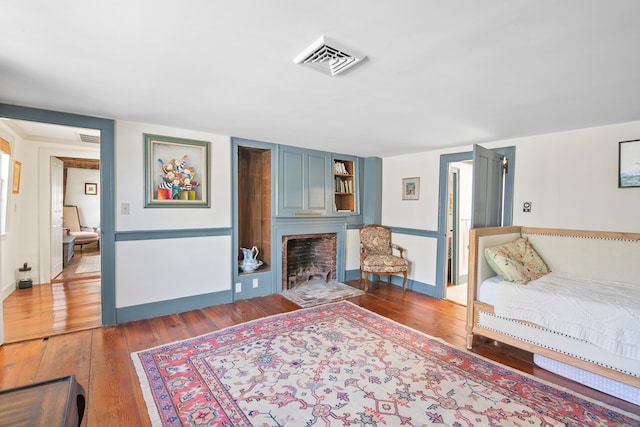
point(340, 168)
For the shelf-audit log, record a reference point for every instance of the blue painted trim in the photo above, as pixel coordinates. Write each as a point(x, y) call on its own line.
point(422, 288)
point(351, 274)
point(371, 194)
point(445, 159)
point(510, 153)
point(414, 232)
point(235, 246)
point(354, 226)
point(124, 236)
point(179, 305)
point(107, 193)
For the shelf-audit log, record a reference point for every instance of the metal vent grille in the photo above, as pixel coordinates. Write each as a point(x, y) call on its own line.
point(328, 57)
point(94, 139)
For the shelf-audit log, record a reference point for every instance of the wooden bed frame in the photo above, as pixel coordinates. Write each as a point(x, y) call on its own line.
point(594, 254)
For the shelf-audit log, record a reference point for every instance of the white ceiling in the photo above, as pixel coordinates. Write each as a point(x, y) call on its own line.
point(438, 73)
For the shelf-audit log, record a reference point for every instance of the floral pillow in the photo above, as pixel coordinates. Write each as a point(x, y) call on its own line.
point(516, 261)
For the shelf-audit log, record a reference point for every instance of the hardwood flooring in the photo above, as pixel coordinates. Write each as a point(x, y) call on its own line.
point(100, 357)
point(70, 303)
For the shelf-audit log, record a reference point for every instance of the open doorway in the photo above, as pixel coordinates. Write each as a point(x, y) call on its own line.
point(484, 195)
point(458, 225)
point(62, 295)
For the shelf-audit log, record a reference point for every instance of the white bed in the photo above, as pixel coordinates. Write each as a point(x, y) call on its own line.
point(606, 353)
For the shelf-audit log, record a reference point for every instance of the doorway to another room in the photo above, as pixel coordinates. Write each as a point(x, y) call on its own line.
point(458, 225)
point(476, 190)
point(67, 292)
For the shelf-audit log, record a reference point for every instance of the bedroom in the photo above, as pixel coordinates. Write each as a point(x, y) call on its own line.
point(570, 176)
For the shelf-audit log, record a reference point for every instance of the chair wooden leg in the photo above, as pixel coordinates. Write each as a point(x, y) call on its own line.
point(360, 277)
point(404, 280)
point(366, 281)
point(388, 280)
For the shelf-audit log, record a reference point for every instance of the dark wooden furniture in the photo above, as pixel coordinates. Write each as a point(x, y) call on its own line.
point(68, 243)
point(57, 402)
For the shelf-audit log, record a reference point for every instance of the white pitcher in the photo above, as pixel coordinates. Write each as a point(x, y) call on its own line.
point(250, 255)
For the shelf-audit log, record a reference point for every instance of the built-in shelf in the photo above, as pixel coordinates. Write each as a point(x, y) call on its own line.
point(344, 186)
point(254, 203)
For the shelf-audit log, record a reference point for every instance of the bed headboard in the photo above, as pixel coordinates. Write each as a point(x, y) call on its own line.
point(593, 254)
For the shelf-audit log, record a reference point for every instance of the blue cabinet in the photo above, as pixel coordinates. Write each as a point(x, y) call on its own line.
point(305, 182)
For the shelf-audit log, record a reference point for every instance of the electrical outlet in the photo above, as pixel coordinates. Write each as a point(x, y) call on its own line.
point(255, 283)
point(526, 207)
point(238, 287)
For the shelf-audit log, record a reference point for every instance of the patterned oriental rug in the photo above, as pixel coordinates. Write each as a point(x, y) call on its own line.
point(341, 365)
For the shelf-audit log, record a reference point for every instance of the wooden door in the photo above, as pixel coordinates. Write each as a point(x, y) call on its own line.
point(488, 183)
point(57, 200)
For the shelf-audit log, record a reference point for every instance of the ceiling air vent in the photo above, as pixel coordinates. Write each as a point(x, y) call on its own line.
point(94, 139)
point(328, 57)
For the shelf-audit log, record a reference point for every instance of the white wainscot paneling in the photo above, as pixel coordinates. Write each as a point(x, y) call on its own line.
point(422, 255)
point(353, 250)
point(165, 269)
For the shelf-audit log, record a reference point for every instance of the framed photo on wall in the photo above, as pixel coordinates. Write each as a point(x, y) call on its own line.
point(17, 171)
point(91, 188)
point(176, 172)
point(411, 188)
point(629, 164)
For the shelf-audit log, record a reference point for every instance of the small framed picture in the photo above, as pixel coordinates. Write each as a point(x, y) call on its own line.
point(17, 171)
point(411, 188)
point(629, 164)
point(90, 188)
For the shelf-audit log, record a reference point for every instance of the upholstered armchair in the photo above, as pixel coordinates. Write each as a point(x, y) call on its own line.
point(84, 235)
point(376, 255)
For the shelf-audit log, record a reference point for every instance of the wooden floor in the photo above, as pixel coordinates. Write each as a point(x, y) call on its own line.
point(70, 303)
point(100, 357)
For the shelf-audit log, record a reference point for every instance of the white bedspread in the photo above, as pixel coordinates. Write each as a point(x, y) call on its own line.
point(604, 313)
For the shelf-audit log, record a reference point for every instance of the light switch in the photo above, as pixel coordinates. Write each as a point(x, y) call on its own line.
point(124, 209)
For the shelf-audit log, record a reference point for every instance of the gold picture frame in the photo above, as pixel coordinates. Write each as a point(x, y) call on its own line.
point(17, 171)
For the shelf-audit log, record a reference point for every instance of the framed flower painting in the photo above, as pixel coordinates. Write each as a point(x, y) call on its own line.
point(176, 172)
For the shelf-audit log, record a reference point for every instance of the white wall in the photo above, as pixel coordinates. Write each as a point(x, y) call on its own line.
point(155, 270)
point(10, 257)
point(88, 204)
point(571, 178)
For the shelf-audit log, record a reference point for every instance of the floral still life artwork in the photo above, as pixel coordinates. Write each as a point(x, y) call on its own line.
point(341, 365)
point(177, 172)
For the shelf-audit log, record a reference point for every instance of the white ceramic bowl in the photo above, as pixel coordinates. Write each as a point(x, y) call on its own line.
point(249, 267)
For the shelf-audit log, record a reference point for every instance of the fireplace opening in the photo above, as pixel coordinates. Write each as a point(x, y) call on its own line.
point(308, 258)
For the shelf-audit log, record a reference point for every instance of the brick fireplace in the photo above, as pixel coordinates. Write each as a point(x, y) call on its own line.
point(308, 256)
point(308, 248)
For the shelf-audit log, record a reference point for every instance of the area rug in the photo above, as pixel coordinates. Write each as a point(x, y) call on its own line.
point(89, 264)
point(341, 365)
point(316, 292)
